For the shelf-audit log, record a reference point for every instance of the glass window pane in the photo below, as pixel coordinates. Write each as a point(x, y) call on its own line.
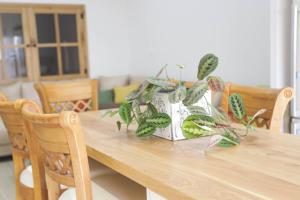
point(68, 27)
point(48, 61)
point(70, 60)
point(12, 29)
point(45, 28)
point(14, 63)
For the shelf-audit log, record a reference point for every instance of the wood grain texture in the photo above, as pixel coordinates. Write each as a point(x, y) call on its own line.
point(264, 166)
point(61, 146)
point(22, 149)
point(275, 101)
point(31, 44)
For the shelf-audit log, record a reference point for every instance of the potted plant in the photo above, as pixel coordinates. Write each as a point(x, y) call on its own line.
point(150, 106)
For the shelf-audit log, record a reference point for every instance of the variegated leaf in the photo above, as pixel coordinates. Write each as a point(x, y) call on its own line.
point(215, 83)
point(161, 82)
point(208, 64)
point(236, 104)
point(195, 93)
point(196, 110)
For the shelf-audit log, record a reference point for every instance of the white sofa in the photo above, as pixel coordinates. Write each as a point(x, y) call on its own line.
point(14, 91)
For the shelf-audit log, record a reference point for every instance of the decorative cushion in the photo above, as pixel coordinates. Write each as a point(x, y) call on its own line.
point(110, 82)
point(12, 90)
point(28, 92)
point(76, 106)
point(106, 96)
point(122, 92)
point(111, 187)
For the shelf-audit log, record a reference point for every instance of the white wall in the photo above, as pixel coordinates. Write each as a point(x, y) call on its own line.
point(177, 31)
point(280, 46)
point(251, 37)
point(108, 41)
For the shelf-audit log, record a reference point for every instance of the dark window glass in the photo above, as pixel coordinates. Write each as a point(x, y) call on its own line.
point(48, 61)
point(14, 62)
point(67, 27)
point(12, 29)
point(45, 28)
point(70, 60)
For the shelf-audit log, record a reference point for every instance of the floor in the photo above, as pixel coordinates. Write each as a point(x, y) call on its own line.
point(7, 183)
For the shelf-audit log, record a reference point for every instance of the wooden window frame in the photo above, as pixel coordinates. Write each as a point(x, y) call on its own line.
point(31, 45)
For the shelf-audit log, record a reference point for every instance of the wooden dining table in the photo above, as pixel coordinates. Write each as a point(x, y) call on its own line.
point(264, 166)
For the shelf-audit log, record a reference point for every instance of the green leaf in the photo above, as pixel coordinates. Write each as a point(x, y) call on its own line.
point(145, 130)
point(178, 95)
point(219, 115)
point(159, 120)
point(148, 94)
point(208, 64)
point(202, 120)
point(161, 82)
point(191, 130)
point(125, 113)
point(215, 83)
point(205, 120)
point(151, 110)
point(119, 125)
point(196, 110)
point(132, 96)
point(228, 140)
point(237, 106)
point(195, 93)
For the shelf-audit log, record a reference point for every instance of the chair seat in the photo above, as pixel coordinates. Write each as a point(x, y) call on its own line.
point(111, 186)
point(26, 177)
point(96, 169)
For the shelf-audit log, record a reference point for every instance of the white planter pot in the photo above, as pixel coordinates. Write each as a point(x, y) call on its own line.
point(178, 112)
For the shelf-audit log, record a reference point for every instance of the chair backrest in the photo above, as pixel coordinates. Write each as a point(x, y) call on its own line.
point(275, 101)
point(62, 149)
point(21, 144)
point(78, 96)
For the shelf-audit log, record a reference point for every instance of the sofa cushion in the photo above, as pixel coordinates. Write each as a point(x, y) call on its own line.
point(106, 96)
point(137, 79)
point(123, 91)
point(28, 92)
point(110, 82)
point(11, 90)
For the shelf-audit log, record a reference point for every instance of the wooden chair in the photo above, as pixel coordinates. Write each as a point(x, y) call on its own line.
point(274, 100)
point(78, 96)
point(62, 148)
point(29, 179)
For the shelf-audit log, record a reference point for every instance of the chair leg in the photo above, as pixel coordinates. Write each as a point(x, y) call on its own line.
point(53, 188)
point(18, 167)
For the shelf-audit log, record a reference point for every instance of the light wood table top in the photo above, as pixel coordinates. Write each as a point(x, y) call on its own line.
point(265, 166)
